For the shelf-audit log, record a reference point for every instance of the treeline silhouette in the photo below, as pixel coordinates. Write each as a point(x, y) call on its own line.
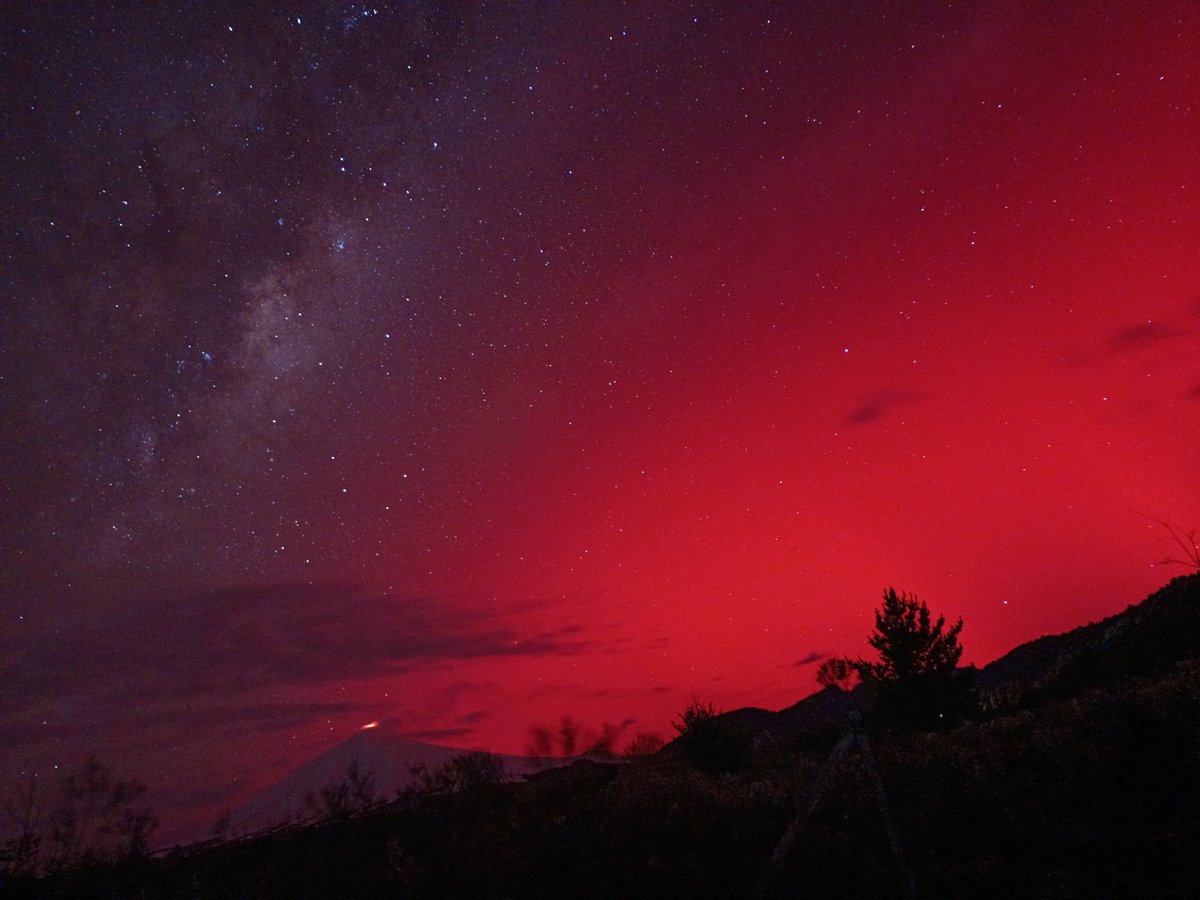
point(572, 738)
point(1065, 769)
point(84, 818)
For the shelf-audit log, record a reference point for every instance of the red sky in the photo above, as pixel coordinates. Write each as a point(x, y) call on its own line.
point(465, 372)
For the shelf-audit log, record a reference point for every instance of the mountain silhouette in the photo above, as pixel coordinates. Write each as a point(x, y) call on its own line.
point(382, 753)
point(1080, 782)
point(1146, 638)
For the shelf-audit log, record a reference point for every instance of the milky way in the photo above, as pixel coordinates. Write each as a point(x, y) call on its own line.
point(466, 369)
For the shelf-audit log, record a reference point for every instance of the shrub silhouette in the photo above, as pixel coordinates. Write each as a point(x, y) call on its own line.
point(355, 794)
point(837, 671)
point(711, 743)
point(644, 743)
point(572, 738)
point(694, 717)
point(1084, 794)
point(471, 772)
point(88, 817)
point(916, 681)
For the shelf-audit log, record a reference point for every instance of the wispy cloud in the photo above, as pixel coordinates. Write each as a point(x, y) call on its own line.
point(809, 658)
point(874, 406)
point(1142, 336)
point(269, 637)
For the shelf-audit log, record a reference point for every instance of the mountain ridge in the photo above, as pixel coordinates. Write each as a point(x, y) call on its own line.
point(387, 756)
point(1156, 632)
point(1081, 784)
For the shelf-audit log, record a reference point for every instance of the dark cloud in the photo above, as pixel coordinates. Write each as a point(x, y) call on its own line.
point(440, 734)
point(1142, 336)
point(274, 717)
point(809, 658)
point(234, 717)
point(877, 404)
point(268, 636)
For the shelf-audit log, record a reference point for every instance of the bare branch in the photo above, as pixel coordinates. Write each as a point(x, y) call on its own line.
point(1185, 540)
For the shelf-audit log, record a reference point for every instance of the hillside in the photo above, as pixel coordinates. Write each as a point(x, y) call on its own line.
point(390, 760)
point(1146, 637)
point(1082, 784)
point(1150, 636)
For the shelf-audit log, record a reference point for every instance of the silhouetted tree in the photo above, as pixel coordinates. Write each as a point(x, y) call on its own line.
point(709, 742)
point(469, 772)
point(24, 810)
point(568, 735)
point(644, 743)
point(219, 830)
point(837, 671)
point(541, 741)
point(1186, 541)
point(88, 816)
point(910, 644)
point(98, 819)
point(354, 794)
point(571, 738)
point(694, 715)
point(916, 680)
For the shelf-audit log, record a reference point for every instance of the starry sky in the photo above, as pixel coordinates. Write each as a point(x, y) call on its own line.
point(464, 366)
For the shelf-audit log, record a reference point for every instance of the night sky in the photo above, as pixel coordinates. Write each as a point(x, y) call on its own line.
point(464, 366)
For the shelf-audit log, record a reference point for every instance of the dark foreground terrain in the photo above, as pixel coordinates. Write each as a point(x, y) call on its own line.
point(1077, 776)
